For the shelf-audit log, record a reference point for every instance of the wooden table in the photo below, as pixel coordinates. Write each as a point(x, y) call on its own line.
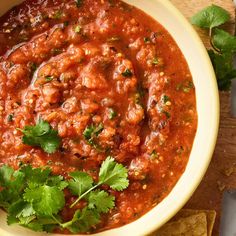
point(221, 174)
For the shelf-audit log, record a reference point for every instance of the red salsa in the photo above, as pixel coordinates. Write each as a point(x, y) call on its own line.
point(97, 65)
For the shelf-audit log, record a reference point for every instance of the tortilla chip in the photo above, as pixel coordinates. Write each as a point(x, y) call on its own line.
point(210, 214)
point(195, 225)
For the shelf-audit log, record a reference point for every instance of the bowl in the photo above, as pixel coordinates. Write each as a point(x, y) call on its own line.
point(208, 121)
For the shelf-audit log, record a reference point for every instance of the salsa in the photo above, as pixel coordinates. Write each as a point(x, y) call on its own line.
point(112, 82)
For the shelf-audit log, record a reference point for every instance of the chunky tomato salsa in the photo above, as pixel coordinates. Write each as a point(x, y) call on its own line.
point(82, 81)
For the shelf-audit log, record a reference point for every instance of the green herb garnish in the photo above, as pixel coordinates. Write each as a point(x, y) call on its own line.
point(66, 23)
point(224, 69)
point(146, 40)
point(10, 118)
point(185, 86)
point(111, 174)
point(48, 78)
point(33, 197)
point(78, 29)
point(112, 114)
point(154, 154)
point(165, 98)
point(223, 43)
point(33, 67)
point(155, 61)
point(210, 17)
point(127, 73)
point(57, 15)
point(41, 135)
point(91, 133)
point(79, 3)
point(167, 114)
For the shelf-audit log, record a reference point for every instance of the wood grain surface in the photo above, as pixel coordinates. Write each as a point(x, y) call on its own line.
point(221, 174)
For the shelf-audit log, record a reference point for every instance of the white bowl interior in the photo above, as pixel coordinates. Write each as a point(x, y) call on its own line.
point(208, 119)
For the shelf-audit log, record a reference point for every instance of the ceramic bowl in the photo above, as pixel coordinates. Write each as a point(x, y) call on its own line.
point(208, 120)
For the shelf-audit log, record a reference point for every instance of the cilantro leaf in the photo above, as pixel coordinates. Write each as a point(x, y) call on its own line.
point(5, 175)
point(17, 181)
point(101, 201)
point(40, 129)
point(35, 226)
point(41, 135)
point(83, 221)
point(81, 182)
point(20, 210)
point(50, 141)
point(223, 66)
point(210, 17)
point(113, 174)
point(12, 183)
point(224, 41)
point(35, 176)
point(45, 200)
point(57, 181)
point(33, 197)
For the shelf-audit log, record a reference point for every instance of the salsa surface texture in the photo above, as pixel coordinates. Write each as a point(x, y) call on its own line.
point(101, 64)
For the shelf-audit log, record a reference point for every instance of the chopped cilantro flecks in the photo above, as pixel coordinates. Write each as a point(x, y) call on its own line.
point(127, 73)
point(185, 86)
point(112, 114)
point(91, 133)
point(41, 135)
point(146, 40)
point(155, 61)
point(57, 15)
point(33, 197)
point(154, 154)
point(48, 78)
point(138, 98)
point(33, 67)
point(10, 117)
point(165, 99)
point(78, 29)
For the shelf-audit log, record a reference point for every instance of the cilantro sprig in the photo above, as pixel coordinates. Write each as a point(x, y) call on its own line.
point(41, 135)
point(111, 173)
point(33, 197)
point(223, 43)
